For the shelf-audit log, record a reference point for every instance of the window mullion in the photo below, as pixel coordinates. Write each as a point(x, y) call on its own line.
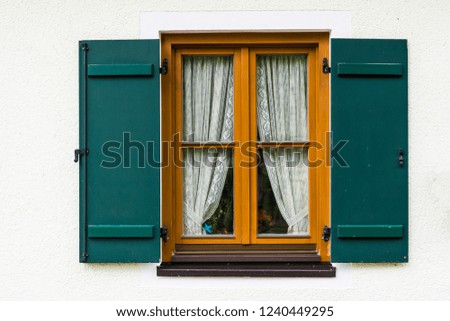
point(243, 125)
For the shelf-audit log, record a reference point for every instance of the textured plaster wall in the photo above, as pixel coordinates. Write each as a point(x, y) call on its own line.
point(39, 130)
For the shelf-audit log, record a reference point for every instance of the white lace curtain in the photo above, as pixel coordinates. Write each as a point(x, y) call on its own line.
point(207, 116)
point(283, 117)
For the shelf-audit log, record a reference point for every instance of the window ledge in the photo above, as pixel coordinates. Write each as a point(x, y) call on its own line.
point(247, 269)
point(247, 258)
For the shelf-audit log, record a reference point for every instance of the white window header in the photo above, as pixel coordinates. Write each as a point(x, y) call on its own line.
point(337, 22)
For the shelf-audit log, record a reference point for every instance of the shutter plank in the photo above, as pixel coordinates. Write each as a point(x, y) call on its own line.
point(143, 231)
point(365, 231)
point(99, 70)
point(370, 69)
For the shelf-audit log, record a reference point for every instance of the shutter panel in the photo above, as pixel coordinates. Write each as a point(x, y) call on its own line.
point(120, 175)
point(369, 110)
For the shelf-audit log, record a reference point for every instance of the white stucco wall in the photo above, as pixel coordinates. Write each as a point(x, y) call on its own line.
point(39, 130)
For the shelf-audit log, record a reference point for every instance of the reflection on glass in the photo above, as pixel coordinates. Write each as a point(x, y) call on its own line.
point(207, 192)
point(270, 220)
point(282, 191)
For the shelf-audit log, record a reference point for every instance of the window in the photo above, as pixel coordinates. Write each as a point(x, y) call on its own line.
point(248, 114)
point(225, 100)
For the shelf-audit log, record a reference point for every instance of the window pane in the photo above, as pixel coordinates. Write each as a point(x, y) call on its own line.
point(207, 192)
point(208, 98)
point(282, 191)
point(282, 103)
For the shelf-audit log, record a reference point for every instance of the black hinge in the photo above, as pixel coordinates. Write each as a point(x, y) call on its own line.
point(401, 157)
point(164, 233)
point(165, 67)
point(325, 67)
point(85, 257)
point(79, 153)
point(326, 233)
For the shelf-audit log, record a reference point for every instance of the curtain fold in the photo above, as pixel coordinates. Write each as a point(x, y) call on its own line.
point(283, 117)
point(208, 103)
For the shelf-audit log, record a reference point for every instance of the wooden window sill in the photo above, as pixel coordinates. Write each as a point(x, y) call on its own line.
point(247, 257)
point(268, 269)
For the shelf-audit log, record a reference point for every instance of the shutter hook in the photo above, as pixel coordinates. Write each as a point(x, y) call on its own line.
point(79, 153)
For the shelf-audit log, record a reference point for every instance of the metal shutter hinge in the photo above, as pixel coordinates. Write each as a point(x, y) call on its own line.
point(401, 157)
point(165, 67)
point(85, 257)
point(326, 233)
point(79, 153)
point(325, 67)
point(164, 233)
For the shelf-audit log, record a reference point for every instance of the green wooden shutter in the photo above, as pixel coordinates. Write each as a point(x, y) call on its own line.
point(369, 121)
point(120, 127)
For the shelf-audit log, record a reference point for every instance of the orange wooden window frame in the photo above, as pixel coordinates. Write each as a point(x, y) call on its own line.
point(244, 47)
